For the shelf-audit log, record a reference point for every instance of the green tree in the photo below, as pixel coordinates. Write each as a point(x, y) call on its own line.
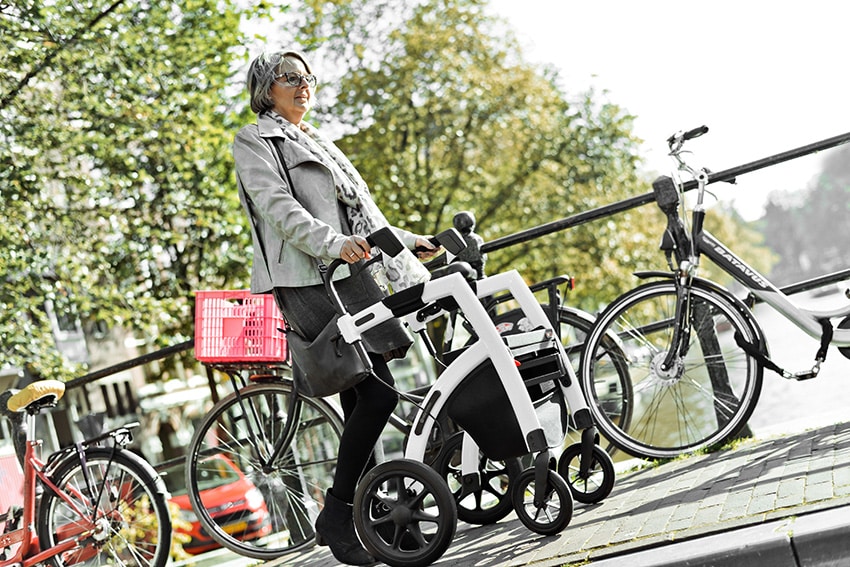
point(116, 120)
point(444, 114)
point(115, 166)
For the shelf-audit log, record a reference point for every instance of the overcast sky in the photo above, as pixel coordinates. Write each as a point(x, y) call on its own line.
point(764, 76)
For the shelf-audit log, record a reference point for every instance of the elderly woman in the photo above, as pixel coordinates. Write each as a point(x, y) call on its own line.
point(308, 202)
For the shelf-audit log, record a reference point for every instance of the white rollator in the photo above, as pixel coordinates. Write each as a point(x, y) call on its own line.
point(404, 511)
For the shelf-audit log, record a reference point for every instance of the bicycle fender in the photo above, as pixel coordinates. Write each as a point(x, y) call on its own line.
point(654, 274)
point(708, 285)
point(159, 483)
point(742, 308)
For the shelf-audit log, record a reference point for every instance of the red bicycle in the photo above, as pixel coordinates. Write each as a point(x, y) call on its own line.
point(94, 502)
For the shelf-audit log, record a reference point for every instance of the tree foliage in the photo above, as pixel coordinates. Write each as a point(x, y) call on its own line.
point(116, 175)
point(117, 117)
point(444, 114)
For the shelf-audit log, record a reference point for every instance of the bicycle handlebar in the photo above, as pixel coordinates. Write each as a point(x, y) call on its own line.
point(680, 137)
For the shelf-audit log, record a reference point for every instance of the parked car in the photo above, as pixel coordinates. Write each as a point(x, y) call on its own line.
point(233, 501)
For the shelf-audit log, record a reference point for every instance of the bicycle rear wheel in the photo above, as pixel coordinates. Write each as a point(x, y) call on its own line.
point(117, 494)
point(278, 493)
point(704, 400)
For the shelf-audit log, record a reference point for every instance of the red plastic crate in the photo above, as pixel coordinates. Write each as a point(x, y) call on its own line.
point(236, 326)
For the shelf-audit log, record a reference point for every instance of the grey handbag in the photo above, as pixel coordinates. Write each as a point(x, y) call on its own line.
point(325, 366)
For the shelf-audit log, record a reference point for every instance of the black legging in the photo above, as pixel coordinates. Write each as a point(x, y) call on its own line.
point(366, 408)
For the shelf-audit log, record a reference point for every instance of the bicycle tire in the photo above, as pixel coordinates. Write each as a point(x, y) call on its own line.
point(279, 516)
point(575, 326)
point(704, 401)
point(128, 500)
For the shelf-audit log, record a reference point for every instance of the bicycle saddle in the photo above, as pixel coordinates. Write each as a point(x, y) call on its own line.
point(38, 395)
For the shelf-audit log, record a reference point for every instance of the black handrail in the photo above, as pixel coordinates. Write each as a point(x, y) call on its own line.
point(127, 364)
point(633, 202)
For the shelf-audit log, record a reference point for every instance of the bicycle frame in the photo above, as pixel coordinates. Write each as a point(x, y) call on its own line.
point(34, 470)
point(807, 320)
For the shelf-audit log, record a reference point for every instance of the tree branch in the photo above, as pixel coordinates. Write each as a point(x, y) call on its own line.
point(6, 100)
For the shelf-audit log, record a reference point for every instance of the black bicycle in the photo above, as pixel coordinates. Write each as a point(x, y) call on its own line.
point(695, 353)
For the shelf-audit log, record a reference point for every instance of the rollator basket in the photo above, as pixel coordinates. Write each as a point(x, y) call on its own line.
point(481, 406)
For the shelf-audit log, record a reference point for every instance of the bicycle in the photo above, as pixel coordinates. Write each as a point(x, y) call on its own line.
point(695, 352)
point(97, 504)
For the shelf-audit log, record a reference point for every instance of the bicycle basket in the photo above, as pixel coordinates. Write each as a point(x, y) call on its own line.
point(237, 326)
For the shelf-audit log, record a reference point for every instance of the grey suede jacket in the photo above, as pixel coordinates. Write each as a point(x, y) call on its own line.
point(294, 230)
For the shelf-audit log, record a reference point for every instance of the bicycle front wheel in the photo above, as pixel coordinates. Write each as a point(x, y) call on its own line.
point(284, 453)
point(116, 507)
point(707, 395)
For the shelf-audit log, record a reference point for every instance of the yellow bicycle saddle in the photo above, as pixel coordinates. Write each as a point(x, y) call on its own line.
point(36, 391)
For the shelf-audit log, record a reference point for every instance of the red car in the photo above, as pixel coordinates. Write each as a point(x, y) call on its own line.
point(230, 497)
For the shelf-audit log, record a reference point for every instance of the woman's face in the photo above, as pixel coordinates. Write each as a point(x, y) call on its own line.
point(292, 102)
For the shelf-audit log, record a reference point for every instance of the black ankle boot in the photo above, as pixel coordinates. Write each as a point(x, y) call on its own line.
point(335, 527)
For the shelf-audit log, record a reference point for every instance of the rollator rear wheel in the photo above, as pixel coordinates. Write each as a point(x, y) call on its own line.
point(593, 486)
point(404, 513)
point(556, 511)
point(492, 501)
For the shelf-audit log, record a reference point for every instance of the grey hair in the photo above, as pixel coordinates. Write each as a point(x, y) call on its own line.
point(262, 73)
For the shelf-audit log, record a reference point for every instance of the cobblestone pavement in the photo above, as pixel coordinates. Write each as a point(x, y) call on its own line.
point(731, 490)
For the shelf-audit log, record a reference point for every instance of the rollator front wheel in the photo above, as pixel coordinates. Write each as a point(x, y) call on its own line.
point(405, 513)
point(596, 483)
point(556, 509)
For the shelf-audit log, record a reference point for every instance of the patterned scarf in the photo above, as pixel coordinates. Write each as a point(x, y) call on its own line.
point(364, 216)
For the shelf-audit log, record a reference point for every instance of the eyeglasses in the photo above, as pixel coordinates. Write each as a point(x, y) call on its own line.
point(294, 79)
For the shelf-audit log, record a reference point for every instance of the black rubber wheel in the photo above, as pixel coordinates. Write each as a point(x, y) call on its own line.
point(594, 486)
point(492, 501)
point(404, 513)
point(557, 510)
point(123, 496)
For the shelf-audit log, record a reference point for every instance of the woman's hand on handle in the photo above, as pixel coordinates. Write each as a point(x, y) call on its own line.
point(425, 249)
point(355, 249)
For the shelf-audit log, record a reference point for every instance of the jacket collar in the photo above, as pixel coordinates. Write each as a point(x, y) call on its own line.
point(268, 126)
